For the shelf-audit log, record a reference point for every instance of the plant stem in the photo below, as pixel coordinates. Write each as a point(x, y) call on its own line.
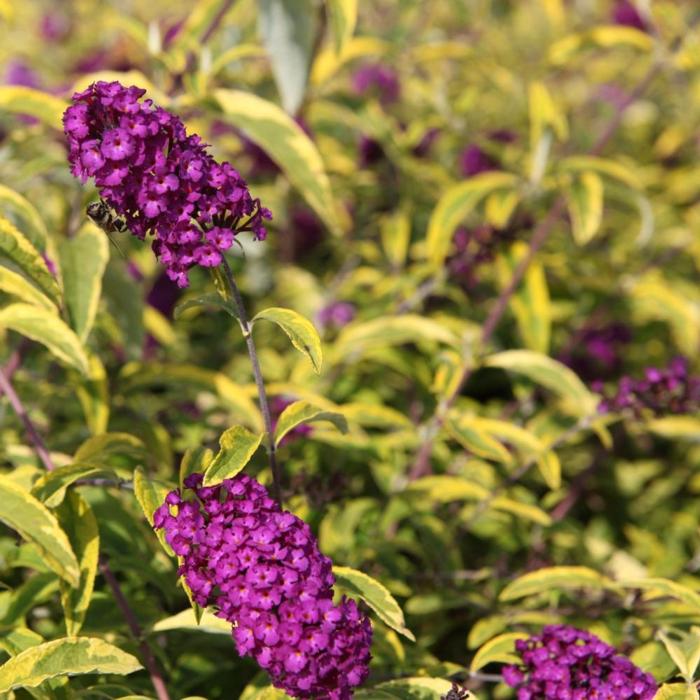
point(149, 660)
point(18, 407)
point(421, 464)
point(45, 457)
point(259, 383)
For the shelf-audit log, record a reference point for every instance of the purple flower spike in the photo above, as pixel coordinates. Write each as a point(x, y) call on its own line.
point(564, 663)
point(160, 179)
point(261, 568)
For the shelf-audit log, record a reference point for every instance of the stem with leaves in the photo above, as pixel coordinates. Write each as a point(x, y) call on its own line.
point(247, 331)
point(123, 605)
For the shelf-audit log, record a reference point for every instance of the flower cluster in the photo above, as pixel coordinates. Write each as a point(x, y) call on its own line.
point(262, 569)
point(626, 14)
point(336, 314)
point(160, 179)
point(670, 390)
point(563, 663)
point(474, 160)
point(595, 351)
point(379, 78)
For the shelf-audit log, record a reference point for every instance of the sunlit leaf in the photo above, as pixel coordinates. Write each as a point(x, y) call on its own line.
point(555, 578)
point(237, 446)
point(500, 649)
point(304, 412)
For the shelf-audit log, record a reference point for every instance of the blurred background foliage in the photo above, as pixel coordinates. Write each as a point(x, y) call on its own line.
point(413, 156)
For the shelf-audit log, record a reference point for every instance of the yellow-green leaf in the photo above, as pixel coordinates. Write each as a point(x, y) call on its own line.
point(33, 521)
point(17, 286)
point(343, 16)
point(549, 373)
point(500, 649)
point(455, 204)
point(51, 487)
point(584, 196)
point(662, 587)
point(187, 620)
point(544, 115)
point(46, 328)
point(67, 656)
point(304, 412)
point(83, 261)
point(556, 578)
point(375, 595)
point(676, 427)
point(22, 208)
point(300, 330)
point(22, 253)
point(477, 441)
point(151, 494)
point(418, 688)
point(287, 144)
point(80, 524)
point(677, 691)
point(237, 446)
point(521, 510)
point(443, 488)
point(395, 232)
point(24, 100)
point(602, 166)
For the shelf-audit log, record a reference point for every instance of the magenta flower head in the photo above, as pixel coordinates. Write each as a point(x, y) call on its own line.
point(625, 13)
point(160, 179)
point(261, 568)
point(380, 79)
point(473, 161)
point(564, 663)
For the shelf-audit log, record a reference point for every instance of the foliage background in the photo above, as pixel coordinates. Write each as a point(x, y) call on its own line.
point(480, 486)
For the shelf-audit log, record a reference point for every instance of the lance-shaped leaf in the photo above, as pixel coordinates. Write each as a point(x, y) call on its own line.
point(343, 16)
point(287, 144)
point(21, 208)
point(500, 649)
point(556, 578)
point(80, 525)
point(83, 261)
point(477, 441)
point(237, 446)
point(375, 595)
point(205, 301)
point(61, 657)
point(677, 691)
point(186, 620)
point(31, 519)
point(51, 487)
point(584, 197)
point(18, 249)
point(24, 100)
point(20, 287)
point(418, 688)
point(454, 206)
point(661, 587)
point(46, 328)
point(150, 494)
point(300, 330)
point(304, 412)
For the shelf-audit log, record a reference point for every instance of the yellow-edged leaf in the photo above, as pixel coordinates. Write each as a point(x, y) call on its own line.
point(237, 445)
point(556, 578)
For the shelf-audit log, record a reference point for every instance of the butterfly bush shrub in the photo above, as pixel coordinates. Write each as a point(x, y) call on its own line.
point(389, 385)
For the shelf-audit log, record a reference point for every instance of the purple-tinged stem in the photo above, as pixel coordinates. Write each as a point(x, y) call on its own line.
point(149, 660)
point(259, 383)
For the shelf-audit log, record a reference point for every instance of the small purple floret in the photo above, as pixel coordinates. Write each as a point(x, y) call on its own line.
point(378, 78)
point(261, 568)
point(564, 663)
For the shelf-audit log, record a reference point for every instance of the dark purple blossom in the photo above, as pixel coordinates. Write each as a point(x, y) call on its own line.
point(160, 179)
point(661, 391)
point(54, 26)
point(424, 146)
point(336, 314)
point(595, 352)
point(626, 14)
point(378, 79)
point(370, 151)
point(18, 72)
point(261, 568)
point(473, 161)
point(564, 663)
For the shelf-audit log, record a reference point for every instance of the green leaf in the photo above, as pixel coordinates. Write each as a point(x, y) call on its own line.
point(556, 578)
point(36, 589)
point(521, 510)
point(375, 595)
point(31, 519)
point(677, 691)
point(602, 166)
point(23, 100)
point(150, 494)
point(388, 331)
point(102, 447)
point(343, 17)
point(304, 412)
point(500, 649)
point(195, 459)
point(83, 261)
point(661, 588)
point(22, 208)
point(584, 196)
point(530, 303)
point(300, 330)
point(93, 395)
point(477, 441)
point(18, 249)
point(444, 488)
point(395, 232)
point(287, 144)
point(61, 657)
point(18, 639)
point(287, 30)
point(455, 204)
point(206, 300)
point(419, 688)
point(676, 427)
point(549, 373)
point(684, 650)
point(46, 328)
point(545, 115)
point(51, 487)
point(79, 523)
point(17, 286)
point(237, 445)
point(186, 620)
